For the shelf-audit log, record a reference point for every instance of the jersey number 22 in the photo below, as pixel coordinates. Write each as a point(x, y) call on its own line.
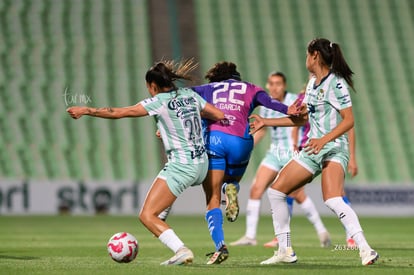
point(233, 89)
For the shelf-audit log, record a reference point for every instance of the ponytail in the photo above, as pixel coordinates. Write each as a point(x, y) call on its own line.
point(331, 56)
point(339, 65)
point(165, 72)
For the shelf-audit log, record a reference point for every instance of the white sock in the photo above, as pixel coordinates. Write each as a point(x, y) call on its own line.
point(360, 240)
point(349, 220)
point(252, 218)
point(313, 216)
point(283, 240)
point(171, 240)
point(281, 217)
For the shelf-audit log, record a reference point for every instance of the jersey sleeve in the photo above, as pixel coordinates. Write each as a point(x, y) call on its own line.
point(152, 105)
point(262, 98)
point(201, 101)
point(340, 97)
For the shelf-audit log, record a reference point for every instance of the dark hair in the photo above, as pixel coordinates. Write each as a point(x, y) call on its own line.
point(280, 74)
point(331, 56)
point(222, 71)
point(165, 72)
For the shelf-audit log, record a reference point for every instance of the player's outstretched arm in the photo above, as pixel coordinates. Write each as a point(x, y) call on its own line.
point(107, 112)
point(263, 99)
point(212, 113)
point(290, 121)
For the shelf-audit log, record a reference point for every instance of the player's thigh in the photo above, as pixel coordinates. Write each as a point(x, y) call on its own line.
point(291, 177)
point(299, 194)
point(333, 177)
point(238, 151)
point(264, 177)
point(158, 198)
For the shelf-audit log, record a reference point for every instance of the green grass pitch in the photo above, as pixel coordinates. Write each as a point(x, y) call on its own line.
point(77, 245)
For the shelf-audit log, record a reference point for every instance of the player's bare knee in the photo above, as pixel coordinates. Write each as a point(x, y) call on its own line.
point(145, 216)
point(141, 217)
point(300, 197)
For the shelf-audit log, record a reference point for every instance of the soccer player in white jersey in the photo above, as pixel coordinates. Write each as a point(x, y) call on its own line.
point(329, 109)
point(280, 152)
point(177, 112)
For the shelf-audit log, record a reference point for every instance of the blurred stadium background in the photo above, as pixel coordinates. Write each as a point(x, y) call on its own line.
point(59, 53)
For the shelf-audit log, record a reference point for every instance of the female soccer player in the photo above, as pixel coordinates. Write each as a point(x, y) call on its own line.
point(352, 169)
point(280, 152)
point(177, 112)
point(229, 146)
point(330, 116)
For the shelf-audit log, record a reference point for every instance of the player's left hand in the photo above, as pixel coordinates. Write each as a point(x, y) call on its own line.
point(76, 111)
point(352, 167)
point(256, 124)
point(314, 146)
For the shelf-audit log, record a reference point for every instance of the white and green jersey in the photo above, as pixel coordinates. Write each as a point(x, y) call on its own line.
point(281, 137)
point(178, 118)
point(324, 102)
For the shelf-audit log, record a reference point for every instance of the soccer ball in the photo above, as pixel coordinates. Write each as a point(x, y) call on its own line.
point(123, 247)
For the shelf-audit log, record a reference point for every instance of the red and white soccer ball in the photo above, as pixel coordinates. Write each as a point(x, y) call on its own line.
point(123, 247)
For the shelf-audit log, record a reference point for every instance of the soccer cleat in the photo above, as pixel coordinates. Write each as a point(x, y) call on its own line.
point(232, 205)
point(288, 256)
point(219, 256)
point(272, 244)
point(368, 257)
point(325, 239)
point(351, 244)
point(244, 241)
point(184, 256)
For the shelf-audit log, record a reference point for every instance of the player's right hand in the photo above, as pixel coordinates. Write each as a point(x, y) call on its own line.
point(76, 111)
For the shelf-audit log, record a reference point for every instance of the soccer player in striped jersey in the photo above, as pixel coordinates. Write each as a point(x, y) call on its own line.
point(280, 152)
point(229, 146)
point(177, 112)
point(330, 114)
